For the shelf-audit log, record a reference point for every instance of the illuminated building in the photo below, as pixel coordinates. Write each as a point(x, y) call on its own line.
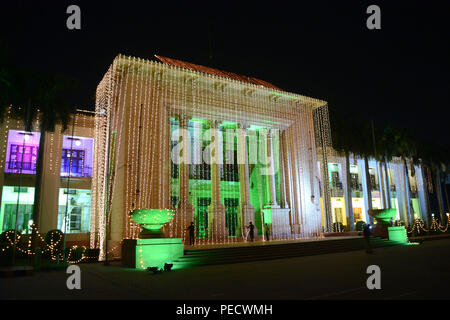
point(171, 134)
point(406, 194)
point(221, 149)
point(18, 156)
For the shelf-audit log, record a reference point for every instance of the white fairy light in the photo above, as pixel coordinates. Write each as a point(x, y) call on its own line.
point(165, 91)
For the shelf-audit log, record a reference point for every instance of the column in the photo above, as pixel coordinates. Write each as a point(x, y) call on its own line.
point(185, 210)
point(273, 191)
point(348, 194)
point(409, 219)
point(283, 189)
point(285, 227)
point(280, 216)
point(365, 186)
point(247, 211)
point(216, 211)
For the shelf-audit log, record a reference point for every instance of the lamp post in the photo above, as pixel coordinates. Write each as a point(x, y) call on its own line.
point(106, 262)
point(18, 200)
point(68, 190)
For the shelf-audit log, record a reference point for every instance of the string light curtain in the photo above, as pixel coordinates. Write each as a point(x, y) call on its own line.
point(135, 103)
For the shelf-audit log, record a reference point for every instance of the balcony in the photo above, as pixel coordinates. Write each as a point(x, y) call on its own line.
point(336, 186)
point(76, 172)
point(27, 167)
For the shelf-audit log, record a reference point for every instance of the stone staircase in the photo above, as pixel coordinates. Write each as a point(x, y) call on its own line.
point(214, 256)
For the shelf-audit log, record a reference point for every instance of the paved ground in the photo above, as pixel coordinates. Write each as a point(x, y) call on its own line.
point(408, 272)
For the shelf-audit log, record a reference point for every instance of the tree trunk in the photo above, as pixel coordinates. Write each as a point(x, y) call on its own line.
point(388, 185)
point(438, 191)
point(382, 185)
point(349, 193)
point(408, 196)
point(427, 192)
point(446, 194)
point(368, 186)
point(37, 188)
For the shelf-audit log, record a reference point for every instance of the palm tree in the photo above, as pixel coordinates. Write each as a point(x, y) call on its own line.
point(52, 109)
point(343, 141)
point(352, 135)
point(41, 96)
point(6, 81)
point(388, 150)
point(365, 149)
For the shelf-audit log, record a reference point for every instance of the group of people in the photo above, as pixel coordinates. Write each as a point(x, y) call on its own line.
point(250, 227)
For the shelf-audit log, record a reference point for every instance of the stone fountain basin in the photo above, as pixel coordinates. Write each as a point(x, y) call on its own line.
point(152, 219)
point(383, 215)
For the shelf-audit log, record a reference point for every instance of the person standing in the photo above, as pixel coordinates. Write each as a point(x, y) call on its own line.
point(251, 232)
point(267, 231)
point(367, 233)
point(191, 229)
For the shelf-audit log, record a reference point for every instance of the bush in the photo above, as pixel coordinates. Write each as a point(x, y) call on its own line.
point(360, 226)
point(74, 253)
point(4, 237)
point(56, 239)
point(338, 227)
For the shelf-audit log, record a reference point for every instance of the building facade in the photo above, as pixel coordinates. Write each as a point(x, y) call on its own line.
point(395, 184)
point(66, 177)
point(222, 150)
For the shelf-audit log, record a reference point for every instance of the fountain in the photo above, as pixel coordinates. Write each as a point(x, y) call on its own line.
point(152, 248)
point(384, 228)
point(152, 221)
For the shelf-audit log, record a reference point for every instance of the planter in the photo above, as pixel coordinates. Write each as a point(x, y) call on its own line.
point(384, 229)
point(383, 218)
point(383, 215)
point(152, 221)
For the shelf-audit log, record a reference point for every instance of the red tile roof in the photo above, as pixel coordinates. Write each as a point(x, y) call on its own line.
point(216, 72)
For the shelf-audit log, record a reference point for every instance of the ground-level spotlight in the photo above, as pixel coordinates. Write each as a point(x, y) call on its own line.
point(168, 266)
point(155, 270)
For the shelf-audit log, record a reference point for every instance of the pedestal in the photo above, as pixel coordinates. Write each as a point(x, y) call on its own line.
point(398, 234)
point(380, 230)
point(151, 252)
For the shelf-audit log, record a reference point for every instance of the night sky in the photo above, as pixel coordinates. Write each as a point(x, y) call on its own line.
point(398, 74)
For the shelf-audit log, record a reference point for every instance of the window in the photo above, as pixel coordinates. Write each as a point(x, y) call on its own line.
point(24, 214)
point(76, 156)
point(373, 182)
point(18, 158)
point(74, 211)
point(22, 152)
point(355, 182)
point(9, 209)
point(72, 163)
point(335, 181)
point(357, 213)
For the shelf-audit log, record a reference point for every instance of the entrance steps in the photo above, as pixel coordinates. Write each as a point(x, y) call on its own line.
point(264, 251)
